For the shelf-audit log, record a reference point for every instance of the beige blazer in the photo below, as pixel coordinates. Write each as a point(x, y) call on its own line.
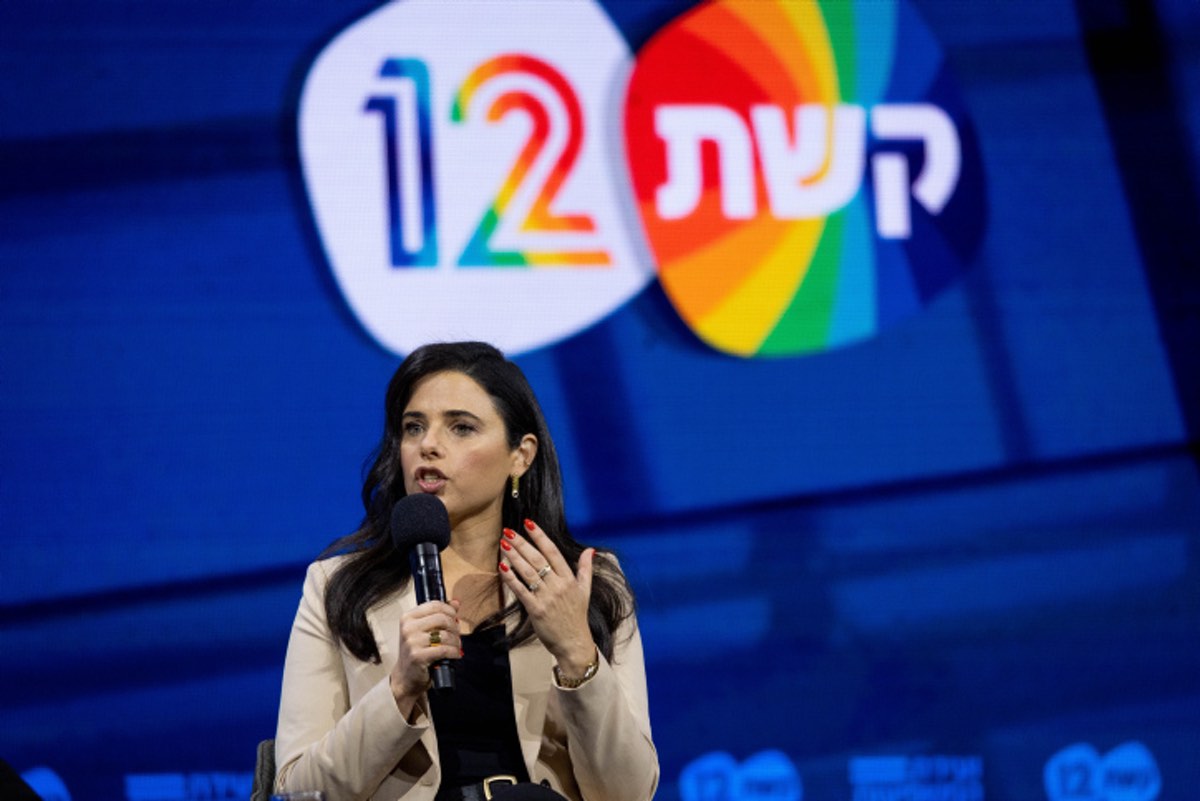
point(340, 730)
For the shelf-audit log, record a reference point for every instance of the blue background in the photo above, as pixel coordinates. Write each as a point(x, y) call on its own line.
point(977, 534)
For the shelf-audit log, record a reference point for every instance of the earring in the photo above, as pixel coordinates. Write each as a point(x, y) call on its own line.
point(515, 493)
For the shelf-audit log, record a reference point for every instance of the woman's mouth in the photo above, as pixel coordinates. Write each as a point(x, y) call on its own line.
point(430, 479)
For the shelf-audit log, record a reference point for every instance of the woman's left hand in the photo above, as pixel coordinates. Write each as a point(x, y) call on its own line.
point(555, 597)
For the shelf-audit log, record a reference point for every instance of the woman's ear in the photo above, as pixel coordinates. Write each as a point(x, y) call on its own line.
point(524, 454)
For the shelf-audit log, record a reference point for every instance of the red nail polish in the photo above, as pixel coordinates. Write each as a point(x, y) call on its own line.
point(508, 532)
point(461, 652)
point(504, 567)
point(504, 544)
point(528, 524)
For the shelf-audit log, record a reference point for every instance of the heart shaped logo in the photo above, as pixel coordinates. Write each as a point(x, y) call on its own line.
point(765, 776)
point(1126, 773)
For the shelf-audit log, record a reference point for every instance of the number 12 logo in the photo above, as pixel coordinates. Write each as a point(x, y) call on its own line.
point(428, 161)
point(411, 197)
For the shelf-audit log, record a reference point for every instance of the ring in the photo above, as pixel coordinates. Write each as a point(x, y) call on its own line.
point(534, 586)
point(542, 573)
point(435, 637)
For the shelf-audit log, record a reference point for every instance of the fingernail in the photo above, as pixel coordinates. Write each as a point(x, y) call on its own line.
point(528, 524)
point(504, 544)
point(461, 652)
point(504, 567)
point(508, 532)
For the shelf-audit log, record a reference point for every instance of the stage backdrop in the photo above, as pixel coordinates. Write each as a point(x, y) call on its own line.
point(866, 329)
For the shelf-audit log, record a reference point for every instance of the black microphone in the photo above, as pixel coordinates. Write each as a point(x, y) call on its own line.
point(421, 526)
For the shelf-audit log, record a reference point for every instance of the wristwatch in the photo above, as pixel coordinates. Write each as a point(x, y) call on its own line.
point(571, 684)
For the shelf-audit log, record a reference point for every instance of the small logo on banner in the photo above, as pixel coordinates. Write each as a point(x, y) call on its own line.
point(766, 776)
point(899, 778)
point(808, 178)
point(457, 162)
point(1126, 773)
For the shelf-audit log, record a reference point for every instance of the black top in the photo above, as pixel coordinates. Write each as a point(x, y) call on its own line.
point(475, 723)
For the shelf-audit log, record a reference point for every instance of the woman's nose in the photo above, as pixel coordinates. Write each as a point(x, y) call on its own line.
point(430, 441)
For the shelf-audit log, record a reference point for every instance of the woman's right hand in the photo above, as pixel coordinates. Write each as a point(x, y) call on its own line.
point(410, 675)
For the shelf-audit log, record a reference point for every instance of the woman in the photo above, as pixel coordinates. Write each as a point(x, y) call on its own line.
point(550, 681)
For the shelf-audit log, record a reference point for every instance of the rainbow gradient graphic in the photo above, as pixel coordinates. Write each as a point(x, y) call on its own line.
point(540, 218)
point(747, 279)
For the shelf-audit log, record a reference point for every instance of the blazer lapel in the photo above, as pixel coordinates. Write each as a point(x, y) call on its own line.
point(384, 620)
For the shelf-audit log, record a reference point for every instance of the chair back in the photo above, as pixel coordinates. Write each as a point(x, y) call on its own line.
point(264, 772)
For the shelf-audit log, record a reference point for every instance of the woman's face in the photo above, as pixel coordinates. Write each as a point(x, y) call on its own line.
point(454, 445)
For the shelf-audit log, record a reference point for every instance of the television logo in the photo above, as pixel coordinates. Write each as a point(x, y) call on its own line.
point(457, 165)
point(765, 776)
point(1126, 773)
point(814, 187)
point(509, 172)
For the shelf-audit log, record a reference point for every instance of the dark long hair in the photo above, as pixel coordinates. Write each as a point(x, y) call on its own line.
point(373, 570)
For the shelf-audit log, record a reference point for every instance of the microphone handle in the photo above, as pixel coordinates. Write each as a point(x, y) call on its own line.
point(426, 566)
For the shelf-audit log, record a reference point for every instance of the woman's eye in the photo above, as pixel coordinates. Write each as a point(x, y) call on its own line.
point(463, 428)
point(412, 429)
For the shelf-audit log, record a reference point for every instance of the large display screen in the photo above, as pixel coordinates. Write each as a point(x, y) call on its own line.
point(865, 330)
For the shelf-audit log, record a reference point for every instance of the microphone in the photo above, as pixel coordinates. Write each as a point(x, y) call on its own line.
point(421, 526)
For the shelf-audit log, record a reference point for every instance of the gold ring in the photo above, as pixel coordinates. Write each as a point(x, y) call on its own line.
point(435, 637)
point(534, 586)
point(542, 573)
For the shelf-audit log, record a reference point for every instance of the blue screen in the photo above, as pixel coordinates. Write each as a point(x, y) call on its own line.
point(957, 557)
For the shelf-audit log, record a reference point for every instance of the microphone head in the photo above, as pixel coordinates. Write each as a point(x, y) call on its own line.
point(419, 518)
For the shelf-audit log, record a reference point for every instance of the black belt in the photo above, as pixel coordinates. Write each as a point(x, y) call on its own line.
point(481, 791)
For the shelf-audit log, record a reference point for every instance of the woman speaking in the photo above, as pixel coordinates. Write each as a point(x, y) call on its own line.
point(550, 686)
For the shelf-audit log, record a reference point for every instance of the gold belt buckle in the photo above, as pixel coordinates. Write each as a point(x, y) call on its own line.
point(487, 784)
